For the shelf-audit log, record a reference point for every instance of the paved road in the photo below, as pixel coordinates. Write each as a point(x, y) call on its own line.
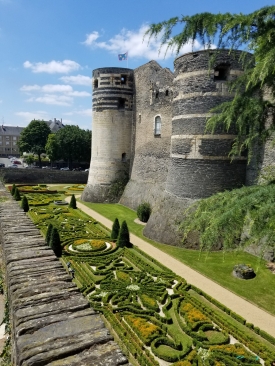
point(250, 312)
point(7, 162)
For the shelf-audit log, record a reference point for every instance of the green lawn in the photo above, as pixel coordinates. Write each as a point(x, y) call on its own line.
point(260, 290)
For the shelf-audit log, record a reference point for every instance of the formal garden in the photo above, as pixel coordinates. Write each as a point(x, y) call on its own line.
point(156, 317)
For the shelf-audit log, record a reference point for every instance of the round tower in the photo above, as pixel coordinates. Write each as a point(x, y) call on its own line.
point(199, 165)
point(111, 132)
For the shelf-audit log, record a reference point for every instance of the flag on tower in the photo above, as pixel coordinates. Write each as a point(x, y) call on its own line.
point(123, 56)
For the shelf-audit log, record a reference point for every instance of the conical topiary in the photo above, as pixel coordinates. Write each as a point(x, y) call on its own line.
point(16, 195)
point(49, 233)
point(25, 204)
point(55, 243)
point(123, 237)
point(13, 189)
point(115, 229)
point(73, 202)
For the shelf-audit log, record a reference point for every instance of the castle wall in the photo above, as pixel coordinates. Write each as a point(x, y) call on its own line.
point(153, 101)
point(200, 165)
point(112, 131)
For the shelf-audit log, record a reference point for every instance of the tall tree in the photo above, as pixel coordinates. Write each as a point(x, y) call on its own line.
point(115, 229)
point(254, 32)
point(74, 144)
point(34, 137)
point(52, 148)
point(123, 239)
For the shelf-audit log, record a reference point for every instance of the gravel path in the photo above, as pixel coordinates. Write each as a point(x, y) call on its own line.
point(250, 312)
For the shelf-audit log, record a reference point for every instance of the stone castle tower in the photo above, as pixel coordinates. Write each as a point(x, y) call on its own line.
point(150, 123)
point(112, 130)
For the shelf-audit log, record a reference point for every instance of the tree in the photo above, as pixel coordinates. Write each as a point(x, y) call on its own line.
point(52, 147)
point(55, 243)
point(144, 211)
point(13, 189)
point(73, 202)
point(25, 204)
point(29, 159)
point(256, 33)
point(49, 233)
point(34, 137)
point(115, 229)
point(123, 237)
point(16, 195)
point(73, 144)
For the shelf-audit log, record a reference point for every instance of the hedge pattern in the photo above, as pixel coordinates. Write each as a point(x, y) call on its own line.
point(154, 313)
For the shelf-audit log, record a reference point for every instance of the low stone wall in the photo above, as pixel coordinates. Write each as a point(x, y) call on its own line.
point(51, 322)
point(22, 175)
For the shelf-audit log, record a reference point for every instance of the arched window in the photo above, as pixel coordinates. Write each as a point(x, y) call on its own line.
point(157, 131)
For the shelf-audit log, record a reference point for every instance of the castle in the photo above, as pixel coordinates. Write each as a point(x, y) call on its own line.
point(149, 123)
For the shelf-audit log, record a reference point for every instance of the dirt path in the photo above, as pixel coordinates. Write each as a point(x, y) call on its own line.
point(250, 312)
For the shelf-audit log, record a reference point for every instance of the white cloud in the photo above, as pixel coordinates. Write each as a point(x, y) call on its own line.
point(135, 44)
point(77, 80)
point(91, 38)
point(53, 67)
point(29, 116)
point(54, 94)
point(81, 112)
point(53, 99)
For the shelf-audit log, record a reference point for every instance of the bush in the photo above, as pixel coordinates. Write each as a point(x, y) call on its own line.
point(25, 204)
point(123, 237)
point(13, 189)
point(55, 243)
point(16, 195)
point(144, 211)
point(49, 233)
point(73, 202)
point(115, 229)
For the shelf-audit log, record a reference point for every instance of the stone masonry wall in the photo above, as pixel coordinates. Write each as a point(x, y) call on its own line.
point(153, 98)
point(42, 176)
point(200, 165)
point(51, 322)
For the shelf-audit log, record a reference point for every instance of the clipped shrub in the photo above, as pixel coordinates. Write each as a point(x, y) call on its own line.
point(115, 229)
point(25, 204)
point(49, 233)
point(144, 211)
point(13, 189)
point(55, 243)
point(73, 202)
point(16, 195)
point(123, 237)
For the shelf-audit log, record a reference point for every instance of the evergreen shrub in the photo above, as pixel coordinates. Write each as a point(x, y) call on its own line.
point(16, 195)
point(49, 233)
point(144, 211)
point(13, 189)
point(55, 243)
point(115, 229)
point(123, 237)
point(73, 202)
point(25, 204)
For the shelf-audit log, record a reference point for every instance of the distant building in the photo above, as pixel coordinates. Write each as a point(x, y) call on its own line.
point(9, 136)
point(55, 125)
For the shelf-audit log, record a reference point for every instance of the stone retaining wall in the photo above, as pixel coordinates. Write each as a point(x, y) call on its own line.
point(51, 322)
point(42, 176)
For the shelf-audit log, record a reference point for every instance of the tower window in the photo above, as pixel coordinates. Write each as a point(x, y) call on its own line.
point(167, 93)
point(123, 79)
point(123, 157)
point(121, 103)
point(157, 95)
point(157, 131)
point(96, 83)
point(221, 73)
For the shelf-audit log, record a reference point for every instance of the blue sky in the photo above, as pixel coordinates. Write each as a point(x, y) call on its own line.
point(48, 49)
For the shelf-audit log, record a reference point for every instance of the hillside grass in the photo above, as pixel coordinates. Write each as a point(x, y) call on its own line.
point(217, 266)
